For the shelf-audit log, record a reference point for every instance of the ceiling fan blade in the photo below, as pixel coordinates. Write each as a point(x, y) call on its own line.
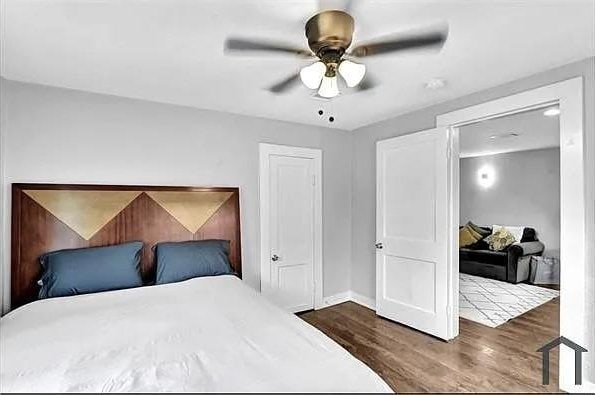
point(248, 45)
point(402, 42)
point(285, 84)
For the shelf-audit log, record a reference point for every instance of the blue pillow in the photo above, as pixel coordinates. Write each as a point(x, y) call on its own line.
point(88, 270)
point(188, 259)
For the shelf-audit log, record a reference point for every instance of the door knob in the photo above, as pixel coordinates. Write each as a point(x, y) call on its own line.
point(378, 246)
point(274, 258)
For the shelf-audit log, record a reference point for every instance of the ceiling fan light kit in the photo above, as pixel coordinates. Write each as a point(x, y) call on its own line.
point(314, 75)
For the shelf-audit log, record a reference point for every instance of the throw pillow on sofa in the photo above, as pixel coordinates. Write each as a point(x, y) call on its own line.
point(500, 239)
point(468, 236)
point(516, 231)
point(483, 232)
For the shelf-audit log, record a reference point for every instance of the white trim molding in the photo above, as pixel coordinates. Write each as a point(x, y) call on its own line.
point(576, 186)
point(336, 299)
point(265, 150)
point(363, 300)
point(4, 213)
point(350, 296)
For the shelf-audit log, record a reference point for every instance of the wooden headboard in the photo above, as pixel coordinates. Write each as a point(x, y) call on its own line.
point(49, 217)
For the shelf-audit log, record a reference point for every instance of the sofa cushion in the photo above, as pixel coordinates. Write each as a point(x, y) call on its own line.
point(481, 269)
point(499, 258)
point(479, 245)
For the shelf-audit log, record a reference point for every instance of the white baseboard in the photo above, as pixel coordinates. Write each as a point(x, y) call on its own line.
point(363, 300)
point(336, 299)
point(349, 296)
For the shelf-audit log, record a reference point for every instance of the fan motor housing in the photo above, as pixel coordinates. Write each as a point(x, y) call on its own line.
point(329, 33)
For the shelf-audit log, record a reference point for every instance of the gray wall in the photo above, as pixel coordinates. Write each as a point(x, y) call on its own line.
point(64, 136)
point(526, 192)
point(364, 173)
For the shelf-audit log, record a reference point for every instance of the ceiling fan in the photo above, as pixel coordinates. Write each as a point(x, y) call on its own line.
point(329, 35)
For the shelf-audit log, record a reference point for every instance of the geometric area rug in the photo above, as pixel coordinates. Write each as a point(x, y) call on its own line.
point(492, 302)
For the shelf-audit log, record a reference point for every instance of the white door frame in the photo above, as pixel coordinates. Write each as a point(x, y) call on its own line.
point(576, 189)
point(265, 151)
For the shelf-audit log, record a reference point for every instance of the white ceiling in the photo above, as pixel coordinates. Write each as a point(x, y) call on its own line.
point(533, 131)
point(172, 50)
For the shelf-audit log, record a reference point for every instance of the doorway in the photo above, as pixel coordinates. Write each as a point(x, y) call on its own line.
point(574, 214)
point(291, 226)
point(509, 227)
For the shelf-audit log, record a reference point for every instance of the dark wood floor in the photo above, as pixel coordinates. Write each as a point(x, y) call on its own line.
point(481, 359)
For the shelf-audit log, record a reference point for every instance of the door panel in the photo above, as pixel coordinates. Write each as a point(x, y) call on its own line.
point(412, 229)
point(397, 272)
point(291, 216)
point(294, 284)
point(290, 223)
point(416, 206)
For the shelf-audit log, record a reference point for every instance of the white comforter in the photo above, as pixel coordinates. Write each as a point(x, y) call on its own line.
point(205, 334)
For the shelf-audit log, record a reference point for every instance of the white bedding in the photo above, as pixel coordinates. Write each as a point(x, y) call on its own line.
point(204, 334)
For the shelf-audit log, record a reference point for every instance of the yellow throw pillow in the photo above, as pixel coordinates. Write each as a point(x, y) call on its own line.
point(467, 236)
point(476, 235)
point(479, 230)
point(500, 239)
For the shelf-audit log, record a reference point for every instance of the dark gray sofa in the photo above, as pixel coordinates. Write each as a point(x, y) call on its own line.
point(511, 265)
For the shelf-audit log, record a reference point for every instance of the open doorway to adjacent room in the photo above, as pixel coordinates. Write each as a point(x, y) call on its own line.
point(562, 104)
point(509, 231)
point(509, 228)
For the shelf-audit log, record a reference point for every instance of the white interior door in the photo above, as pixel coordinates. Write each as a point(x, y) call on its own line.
point(291, 210)
point(412, 231)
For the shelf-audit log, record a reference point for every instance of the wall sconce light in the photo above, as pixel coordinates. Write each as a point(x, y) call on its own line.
point(486, 176)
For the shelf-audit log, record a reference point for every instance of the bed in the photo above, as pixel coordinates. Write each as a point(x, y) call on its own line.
point(206, 334)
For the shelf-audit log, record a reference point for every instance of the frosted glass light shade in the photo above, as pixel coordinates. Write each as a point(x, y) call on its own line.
point(486, 176)
point(328, 87)
point(353, 73)
point(312, 75)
